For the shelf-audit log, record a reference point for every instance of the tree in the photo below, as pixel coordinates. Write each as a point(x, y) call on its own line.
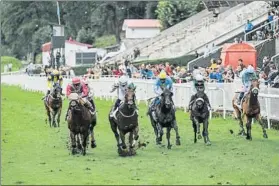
point(173, 12)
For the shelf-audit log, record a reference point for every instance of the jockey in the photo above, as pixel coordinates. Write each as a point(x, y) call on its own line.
point(53, 78)
point(82, 90)
point(162, 81)
point(199, 85)
point(247, 76)
point(86, 83)
point(121, 85)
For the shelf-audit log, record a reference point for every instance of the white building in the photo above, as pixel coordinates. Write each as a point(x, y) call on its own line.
point(141, 28)
point(74, 53)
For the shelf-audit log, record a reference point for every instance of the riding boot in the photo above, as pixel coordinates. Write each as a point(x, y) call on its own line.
point(48, 92)
point(89, 106)
point(191, 102)
point(67, 113)
point(241, 95)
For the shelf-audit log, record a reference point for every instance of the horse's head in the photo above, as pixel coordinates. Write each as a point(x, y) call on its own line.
point(255, 88)
point(57, 90)
point(74, 102)
point(167, 97)
point(199, 102)
point(130, 98)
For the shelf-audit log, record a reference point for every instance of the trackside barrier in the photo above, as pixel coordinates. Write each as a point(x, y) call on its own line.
point(220, 94)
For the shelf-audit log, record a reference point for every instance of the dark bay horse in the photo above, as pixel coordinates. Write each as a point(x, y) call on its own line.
point(200, 114)
point(126, 121)
point(80, 123)
point(53, 105)
point(164, 117)
point(250, 108)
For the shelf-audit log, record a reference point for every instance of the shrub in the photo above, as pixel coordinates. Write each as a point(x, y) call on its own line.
point(8, 59)
point(105, 41)
point(38, 59)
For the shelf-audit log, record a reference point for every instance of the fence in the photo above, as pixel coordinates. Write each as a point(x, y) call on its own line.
point(220, 94)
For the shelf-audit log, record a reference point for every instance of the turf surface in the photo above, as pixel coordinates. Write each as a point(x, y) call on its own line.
point(34, 153)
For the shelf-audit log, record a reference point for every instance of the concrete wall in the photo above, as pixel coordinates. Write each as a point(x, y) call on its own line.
point(138, 33)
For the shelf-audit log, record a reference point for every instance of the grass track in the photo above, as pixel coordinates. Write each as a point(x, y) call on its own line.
point(33, 153)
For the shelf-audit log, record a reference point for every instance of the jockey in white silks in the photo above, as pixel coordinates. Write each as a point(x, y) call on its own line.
point(199, 85)
point(121, 85)
point(247, 76)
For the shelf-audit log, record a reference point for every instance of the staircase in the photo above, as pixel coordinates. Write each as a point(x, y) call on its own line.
point(185, 38)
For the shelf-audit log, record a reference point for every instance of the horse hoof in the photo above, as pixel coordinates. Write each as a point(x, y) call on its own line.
point(74, 151)
point(93, 145)
point(84, 153)
point(208, 143)
point(265, 136)
point(199, 136)
point(195, 140)
point(178, 142)
point(169, 146)
point(249, 138)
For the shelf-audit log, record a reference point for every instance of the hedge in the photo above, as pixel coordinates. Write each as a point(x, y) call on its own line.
point(8, 59)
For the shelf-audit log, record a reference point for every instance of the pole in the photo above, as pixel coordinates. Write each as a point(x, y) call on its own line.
point(58, 13)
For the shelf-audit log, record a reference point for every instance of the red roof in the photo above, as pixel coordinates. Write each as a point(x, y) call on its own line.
point(47, 46)
point(142, 23)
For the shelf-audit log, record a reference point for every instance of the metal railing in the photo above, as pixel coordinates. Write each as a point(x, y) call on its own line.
point(268, 97)
point(201, 57)
point(254, 30)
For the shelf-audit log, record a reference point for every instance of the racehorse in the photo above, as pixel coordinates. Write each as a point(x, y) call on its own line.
point(250, 108)
point(53, 105)
point(80, 123)
point(164, 117)
point(200, 114)
point(126, 121)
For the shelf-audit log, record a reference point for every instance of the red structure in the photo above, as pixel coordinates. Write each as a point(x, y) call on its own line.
point(231, 53)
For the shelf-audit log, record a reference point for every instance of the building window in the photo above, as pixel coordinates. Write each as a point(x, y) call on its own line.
point(85, 58)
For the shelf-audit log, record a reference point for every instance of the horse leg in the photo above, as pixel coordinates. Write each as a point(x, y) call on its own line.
point(136, 136)
point(168, 137)
point(123, 143)
point(205, 132)
point(131, 143)
point(198, 128)
point(84, 137)
point(49, 116)
point(73, 142)
point(155, 131)
point(259, 119)
point(160, 132)
point(248, 127)
point(79, 146)
point(175, 127)
point(195, 131)
point(240, 119)
point(114, 130)
point(93, 142)
point(58, 117)
point(54, 118)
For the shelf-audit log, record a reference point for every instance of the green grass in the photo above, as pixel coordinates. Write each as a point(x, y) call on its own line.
point(8, 59)
point(33, 153)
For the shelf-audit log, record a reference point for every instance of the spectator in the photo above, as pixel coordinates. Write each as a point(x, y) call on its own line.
point(197, 54)
point(241, 65)
point(196, 71)
point(168, 69)
point(10, 66)
point(213, 64)
point(249, 27)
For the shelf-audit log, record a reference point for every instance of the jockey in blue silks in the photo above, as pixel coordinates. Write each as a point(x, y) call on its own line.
point(162, 81)
point(247, 76)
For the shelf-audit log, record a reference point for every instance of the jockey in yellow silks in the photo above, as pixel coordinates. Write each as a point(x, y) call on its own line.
point(53, 77)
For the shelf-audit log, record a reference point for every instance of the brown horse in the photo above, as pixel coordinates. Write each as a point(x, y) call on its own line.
point(126, 121)
point(81, 124)
point(53, 105)
point(250, 108)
